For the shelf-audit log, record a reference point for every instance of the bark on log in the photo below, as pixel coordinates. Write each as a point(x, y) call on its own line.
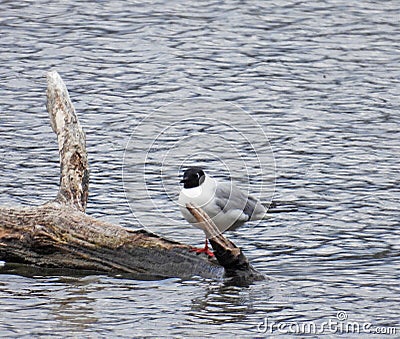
point(59, 234)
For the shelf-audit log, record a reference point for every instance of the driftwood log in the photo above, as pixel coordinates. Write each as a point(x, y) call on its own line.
point(60, 235)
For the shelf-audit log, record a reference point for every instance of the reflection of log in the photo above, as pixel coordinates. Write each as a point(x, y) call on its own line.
point(59, 234)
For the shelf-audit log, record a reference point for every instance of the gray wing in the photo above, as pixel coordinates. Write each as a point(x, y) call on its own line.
point(229, 197)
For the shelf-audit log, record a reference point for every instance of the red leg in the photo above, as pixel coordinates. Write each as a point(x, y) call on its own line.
point(205, 250)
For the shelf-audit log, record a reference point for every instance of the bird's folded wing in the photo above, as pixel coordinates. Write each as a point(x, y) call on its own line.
point(229, 198)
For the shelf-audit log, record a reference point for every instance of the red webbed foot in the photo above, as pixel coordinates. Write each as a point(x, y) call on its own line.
point(202, 250)
point(205, 250)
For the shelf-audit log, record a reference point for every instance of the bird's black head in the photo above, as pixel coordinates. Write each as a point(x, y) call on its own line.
point(193, 177)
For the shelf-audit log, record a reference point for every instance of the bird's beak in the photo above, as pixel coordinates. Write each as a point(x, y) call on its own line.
point(183, 181)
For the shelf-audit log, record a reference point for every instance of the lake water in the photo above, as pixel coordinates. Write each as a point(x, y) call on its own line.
point(296, 101)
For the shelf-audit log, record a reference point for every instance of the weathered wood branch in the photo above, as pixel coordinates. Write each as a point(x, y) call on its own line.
point(74, 177)
point(59, 234)
point(236, 265)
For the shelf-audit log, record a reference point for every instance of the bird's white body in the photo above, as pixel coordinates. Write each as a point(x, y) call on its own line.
point(226, 205)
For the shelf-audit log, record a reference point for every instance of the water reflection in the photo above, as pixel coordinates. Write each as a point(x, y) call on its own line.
point(74, 308)
point(220, 305)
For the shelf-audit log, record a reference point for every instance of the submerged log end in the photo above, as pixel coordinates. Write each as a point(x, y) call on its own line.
point(235, 263)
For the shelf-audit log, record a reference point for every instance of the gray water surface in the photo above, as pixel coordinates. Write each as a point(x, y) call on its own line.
point(320, 78)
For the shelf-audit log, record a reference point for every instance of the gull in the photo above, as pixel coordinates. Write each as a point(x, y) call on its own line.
point(225, 204)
